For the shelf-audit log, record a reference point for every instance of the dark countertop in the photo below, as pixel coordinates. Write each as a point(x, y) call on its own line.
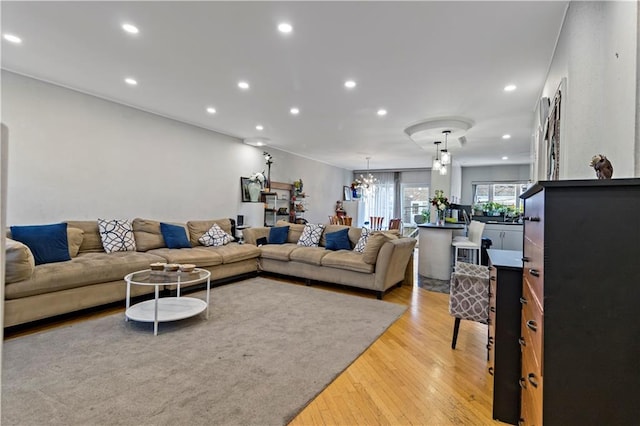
point(495, 222)
point(445, 226)
point(505, 258)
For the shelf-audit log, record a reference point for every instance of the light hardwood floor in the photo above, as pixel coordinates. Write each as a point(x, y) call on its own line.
point(410, 375)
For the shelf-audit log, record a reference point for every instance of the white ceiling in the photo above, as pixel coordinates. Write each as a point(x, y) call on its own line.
point(418, 60)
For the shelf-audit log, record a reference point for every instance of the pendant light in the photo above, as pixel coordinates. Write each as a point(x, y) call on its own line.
point(436, 161)
point(446, 156)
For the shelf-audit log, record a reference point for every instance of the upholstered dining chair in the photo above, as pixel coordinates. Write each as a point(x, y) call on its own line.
point(395, 224)
point(473, 242)
point(376, 222)
point(468, 295)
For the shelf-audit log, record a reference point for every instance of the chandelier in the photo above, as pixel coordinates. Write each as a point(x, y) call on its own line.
point(367, 182)
point(438, 164)
point(446, 156)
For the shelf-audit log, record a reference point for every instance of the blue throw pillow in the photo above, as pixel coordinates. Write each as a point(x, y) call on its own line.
point(278, 234)
point(175, 236)
point(338, 240)
point(48, 243)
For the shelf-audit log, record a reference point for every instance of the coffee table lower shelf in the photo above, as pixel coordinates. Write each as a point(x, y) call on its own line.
point(169, 309)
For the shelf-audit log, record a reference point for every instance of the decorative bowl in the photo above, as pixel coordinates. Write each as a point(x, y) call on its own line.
point(171, 267)
point(158, 266)
point(187, 267)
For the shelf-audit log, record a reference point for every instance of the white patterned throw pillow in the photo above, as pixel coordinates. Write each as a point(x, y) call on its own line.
point(362, 242)
point(311, 235)
point(215, 237)
point(116, 235)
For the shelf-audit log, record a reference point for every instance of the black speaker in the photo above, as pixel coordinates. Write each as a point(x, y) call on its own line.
point(240, 220)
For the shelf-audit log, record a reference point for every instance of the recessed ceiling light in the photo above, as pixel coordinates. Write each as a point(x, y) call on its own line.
point(211, 110)
point(260, 143)
point(131, 29)
point(506, 136)
point(510, 88)
point(243, 85)
point(381, 112)
point(259, 127)
point(294, 111)
point(505, 158)
point(349, 84)
point(130, 81)
point(285, 28)
point(12, 38)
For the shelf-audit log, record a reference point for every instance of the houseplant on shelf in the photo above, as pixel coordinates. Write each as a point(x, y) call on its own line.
point(256, 180)
point(441, 203)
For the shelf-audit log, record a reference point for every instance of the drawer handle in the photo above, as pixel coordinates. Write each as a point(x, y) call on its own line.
point(490, 339)
point(532, 325)
point(522, 341)
point(492, 309)
point(525, 259)
point(490, 294)
point(520, 421)
point(492, 278)
point(533, 380)
point(489, 345)
point(523, 301)
point(490, 268)
point(491, 371)
point(532, 218)
point(534, 272)
point(488, 321)
point(522, 382)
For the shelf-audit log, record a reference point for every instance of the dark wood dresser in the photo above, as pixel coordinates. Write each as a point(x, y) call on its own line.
point(505, 279)
point(580, 303)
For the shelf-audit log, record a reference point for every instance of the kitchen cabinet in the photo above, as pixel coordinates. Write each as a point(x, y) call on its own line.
point(504, 236)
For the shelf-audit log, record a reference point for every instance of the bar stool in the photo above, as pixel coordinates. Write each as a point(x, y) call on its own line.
point(473, 243)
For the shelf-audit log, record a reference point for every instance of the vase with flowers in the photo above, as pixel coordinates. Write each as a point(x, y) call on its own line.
point(441, 203)
point(256, 180)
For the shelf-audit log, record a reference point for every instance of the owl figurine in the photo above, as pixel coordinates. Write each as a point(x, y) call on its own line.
point(602, 166)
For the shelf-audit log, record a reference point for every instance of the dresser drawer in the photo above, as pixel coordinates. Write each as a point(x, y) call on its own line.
point(533, 269)
point(532, 327)
point(531, 383)
point(534, 219)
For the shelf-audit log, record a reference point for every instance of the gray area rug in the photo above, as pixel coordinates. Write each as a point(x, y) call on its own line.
point(431, 284)
point(267, 349)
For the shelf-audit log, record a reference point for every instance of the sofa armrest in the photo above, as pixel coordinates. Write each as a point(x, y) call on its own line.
point(251, 235)
point(394, 258)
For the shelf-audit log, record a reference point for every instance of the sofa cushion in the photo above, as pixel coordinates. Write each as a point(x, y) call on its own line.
point(362, 241)
point(148, 234)
point(74, 238)
point(20, 263)
point(374, 244)
point(329, 229)
point(295, 230)
point(338, 240)
point(86, 269)
point(48, 243)
point(197, 228)
point(91, 241)
point(116, 235)
point(347, 260)
point(278, 251)
point(278, 234)
point(310, 255)
point(215, 237)
point(175, 236)
point(234, 252)
point(197, 256)
point(311, 235)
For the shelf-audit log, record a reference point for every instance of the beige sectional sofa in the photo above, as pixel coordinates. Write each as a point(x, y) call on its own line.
point(387, 259)
point(93, 277)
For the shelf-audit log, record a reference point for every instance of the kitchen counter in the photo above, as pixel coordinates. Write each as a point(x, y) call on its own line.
point(435, 257)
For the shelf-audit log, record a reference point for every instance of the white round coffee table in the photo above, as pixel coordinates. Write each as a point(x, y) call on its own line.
point(166, 308)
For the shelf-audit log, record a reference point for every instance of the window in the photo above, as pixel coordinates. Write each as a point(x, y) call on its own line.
point(507, 194)
point(414, 199)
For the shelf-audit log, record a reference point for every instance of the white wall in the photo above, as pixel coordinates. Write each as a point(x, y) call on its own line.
point(597, 52)
point(75, 156)
point(507, 173)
